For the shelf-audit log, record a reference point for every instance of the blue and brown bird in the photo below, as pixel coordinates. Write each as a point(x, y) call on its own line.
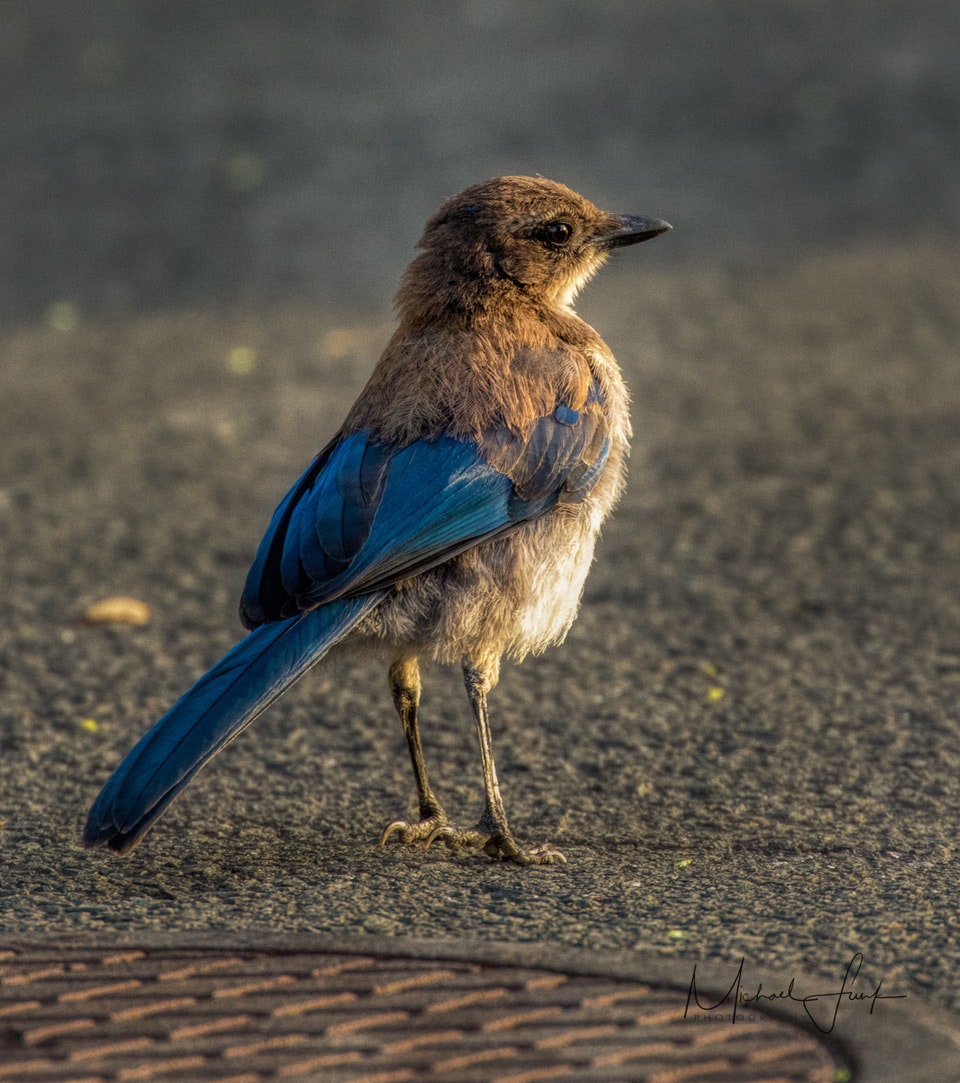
point(454, 514)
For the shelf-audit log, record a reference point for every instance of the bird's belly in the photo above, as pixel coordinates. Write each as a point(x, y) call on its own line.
point(513, 595)
point(554, 574)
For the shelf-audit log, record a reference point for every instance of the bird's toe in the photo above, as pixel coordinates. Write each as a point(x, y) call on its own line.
point(508, 850)
point(496, 844)
point(411, 834)
point(544, 855)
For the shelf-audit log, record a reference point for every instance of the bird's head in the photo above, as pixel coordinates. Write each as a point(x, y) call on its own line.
point(524, 237)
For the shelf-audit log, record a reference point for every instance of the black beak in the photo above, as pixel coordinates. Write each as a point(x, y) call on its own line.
point(632, 230)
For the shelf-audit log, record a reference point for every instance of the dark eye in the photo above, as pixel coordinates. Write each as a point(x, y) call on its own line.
point(555, 233)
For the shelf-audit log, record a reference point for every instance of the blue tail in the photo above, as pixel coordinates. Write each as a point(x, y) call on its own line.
point(207, 717)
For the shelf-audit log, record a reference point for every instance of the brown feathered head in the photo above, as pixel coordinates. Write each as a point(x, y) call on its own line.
point(528, 237)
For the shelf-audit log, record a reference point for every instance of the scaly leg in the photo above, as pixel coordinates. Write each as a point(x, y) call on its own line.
point(404, 677)
point(492, 833)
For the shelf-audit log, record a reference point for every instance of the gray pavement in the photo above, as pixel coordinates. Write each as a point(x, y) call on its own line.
point(749, 745)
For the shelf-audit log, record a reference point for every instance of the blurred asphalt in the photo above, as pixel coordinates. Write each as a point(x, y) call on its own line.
point(749, 745)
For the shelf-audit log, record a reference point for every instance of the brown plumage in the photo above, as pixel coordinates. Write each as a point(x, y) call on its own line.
point(486, 330)
point(453, 516)
point(487, 345)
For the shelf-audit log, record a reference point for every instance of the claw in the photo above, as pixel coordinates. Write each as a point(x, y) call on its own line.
point(546, 855)
point(459, 840)
point(391, 828)
point(435, 834)
point(506, 849)
point(411, 833)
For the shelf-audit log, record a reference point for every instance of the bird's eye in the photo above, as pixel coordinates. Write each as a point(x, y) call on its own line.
point(555, 233)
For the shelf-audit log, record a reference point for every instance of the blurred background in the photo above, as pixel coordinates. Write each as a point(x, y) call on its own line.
point(192, 151)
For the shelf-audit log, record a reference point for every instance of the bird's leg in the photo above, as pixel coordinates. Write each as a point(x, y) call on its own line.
point(492, 833)
point(404, 677)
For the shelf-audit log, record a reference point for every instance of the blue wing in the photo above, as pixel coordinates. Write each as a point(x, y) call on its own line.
point(367, 514)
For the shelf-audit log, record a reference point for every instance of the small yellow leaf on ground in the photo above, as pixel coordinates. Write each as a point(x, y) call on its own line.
point(117, 610)
point(89, 724)
point(715, 694)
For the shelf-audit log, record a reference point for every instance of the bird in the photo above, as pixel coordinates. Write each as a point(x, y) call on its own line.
point(452, 517)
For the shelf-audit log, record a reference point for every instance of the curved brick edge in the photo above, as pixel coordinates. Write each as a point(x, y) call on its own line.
point(903, 1039)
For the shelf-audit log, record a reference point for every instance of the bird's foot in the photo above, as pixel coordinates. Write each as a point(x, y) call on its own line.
point(495, 844)
point(422, 831)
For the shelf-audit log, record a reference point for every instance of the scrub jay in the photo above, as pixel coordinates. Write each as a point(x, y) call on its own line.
point(453, 515)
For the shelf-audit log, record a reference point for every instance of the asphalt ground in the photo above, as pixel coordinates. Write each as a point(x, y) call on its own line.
point(749, 745)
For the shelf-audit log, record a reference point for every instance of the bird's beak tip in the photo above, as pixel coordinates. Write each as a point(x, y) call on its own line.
point(634, 229)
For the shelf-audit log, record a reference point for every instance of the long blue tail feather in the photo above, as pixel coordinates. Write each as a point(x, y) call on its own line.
point(208, 716)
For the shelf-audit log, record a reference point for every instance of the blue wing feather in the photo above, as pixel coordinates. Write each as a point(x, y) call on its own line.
point(373, 513)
